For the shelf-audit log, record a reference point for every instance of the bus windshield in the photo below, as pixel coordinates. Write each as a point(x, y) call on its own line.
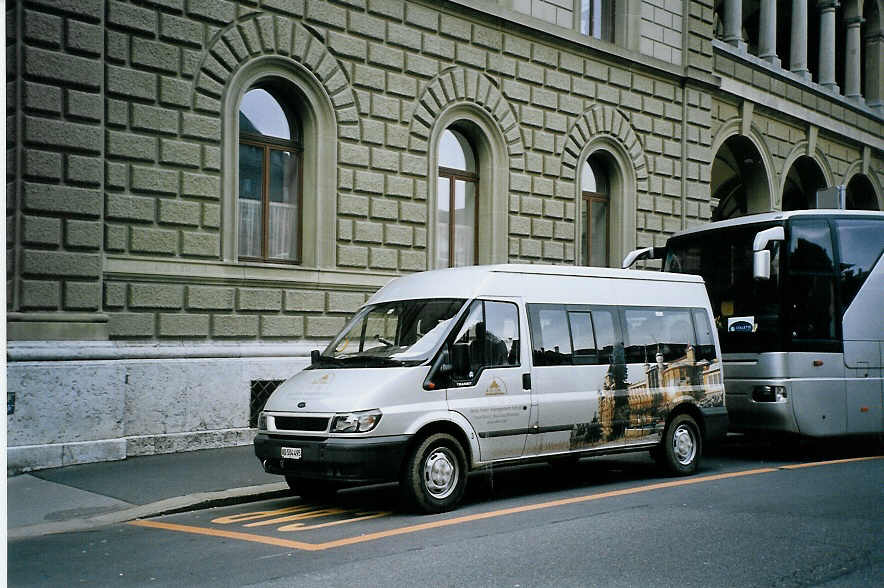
point(391, 334)
point(747, 313)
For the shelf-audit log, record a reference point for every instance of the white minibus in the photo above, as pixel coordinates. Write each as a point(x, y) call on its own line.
point(444, 372)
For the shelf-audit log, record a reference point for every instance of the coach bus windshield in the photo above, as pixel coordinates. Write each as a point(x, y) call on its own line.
point(747, 313)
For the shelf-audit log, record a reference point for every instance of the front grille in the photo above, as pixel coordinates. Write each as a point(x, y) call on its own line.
point(284, 423)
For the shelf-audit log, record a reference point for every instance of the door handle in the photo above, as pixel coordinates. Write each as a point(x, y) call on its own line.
point(526, 381)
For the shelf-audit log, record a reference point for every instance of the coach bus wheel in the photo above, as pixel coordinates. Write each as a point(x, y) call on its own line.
point(435, 474)
point(682, 446)
point(312, 490)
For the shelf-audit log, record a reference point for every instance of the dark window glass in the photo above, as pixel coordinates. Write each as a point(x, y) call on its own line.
point(605, 335)
point(724, 259)
point(657, 335)
point(705, 348)
point(489, 337)
point(811, 285)
point(810, 246)
point(812, 312)
point(860, 244)
point(550, 335)
point(501, 334)
point(468, 345)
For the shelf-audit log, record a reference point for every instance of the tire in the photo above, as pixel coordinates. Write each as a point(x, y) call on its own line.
point(435, 474)
point(682, 446)
point(312, 490)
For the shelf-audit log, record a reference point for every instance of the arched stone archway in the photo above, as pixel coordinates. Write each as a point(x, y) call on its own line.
point(802, 181)
point(739, 183)
point(861, 194)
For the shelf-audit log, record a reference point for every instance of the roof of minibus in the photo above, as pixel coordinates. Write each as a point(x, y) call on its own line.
point(471, 281)
point(777, 216)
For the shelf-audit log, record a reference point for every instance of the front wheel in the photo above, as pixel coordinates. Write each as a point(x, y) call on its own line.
point(435, 474)
point(682, 446)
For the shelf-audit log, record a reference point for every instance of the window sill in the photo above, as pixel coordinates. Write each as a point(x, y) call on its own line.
point(201, 271)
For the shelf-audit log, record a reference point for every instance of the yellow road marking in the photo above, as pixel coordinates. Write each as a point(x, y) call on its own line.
point(474, 517)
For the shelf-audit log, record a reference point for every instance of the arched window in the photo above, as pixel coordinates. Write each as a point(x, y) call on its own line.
point(803, 181)
point(269, 194)
point(457, 204)
point(595, 213)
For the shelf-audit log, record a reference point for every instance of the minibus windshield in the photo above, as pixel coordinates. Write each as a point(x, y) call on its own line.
point(398, 333)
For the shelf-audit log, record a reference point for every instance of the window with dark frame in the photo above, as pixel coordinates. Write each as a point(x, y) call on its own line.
point(457, 209)
point(595, 214)
point(269, 199)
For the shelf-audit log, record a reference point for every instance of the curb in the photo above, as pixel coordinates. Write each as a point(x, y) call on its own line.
point(177, 504)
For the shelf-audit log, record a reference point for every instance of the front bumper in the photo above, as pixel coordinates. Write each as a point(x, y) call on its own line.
point(365, 460)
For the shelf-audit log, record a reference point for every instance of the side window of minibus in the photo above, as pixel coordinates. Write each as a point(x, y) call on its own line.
point(585, 352)
point(658, 334)
point(550, 334)
point(489, 337)
point(705, 343)
point(501, 334)
point(604, 322)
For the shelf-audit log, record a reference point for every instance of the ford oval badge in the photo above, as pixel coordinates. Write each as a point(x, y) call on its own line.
point(302, 404)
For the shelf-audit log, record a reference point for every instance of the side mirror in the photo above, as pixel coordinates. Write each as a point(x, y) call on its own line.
point(646, 253)
point(761, 257)
point(761, 265)
point(314, 357)
point(460, 358)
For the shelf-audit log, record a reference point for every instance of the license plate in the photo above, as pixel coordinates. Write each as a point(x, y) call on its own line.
point(291, 452)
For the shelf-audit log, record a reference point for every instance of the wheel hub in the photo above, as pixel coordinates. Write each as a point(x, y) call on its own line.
point(440, 473)
point(683, 445)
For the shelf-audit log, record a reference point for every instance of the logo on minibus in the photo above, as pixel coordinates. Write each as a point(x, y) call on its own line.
point(496, 388)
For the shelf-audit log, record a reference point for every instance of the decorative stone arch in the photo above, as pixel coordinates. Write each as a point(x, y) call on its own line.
point(603, 129)
point(471, 101)
point(265, 46)
point(859, 168)
point(803, 149)
point(735, 128)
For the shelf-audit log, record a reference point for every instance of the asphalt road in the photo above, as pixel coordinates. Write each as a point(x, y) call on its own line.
point(748, 518)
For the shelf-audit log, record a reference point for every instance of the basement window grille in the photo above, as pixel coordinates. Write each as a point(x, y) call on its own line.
point(260, 392)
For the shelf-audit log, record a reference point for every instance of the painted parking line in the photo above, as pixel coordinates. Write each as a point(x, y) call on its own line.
point(304, 512)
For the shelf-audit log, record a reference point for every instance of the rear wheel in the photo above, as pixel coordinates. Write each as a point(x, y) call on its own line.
point(682, 446)
point(435, 474)
point(312, 490)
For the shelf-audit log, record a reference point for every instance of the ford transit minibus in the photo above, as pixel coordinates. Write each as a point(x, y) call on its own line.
point(444, 372)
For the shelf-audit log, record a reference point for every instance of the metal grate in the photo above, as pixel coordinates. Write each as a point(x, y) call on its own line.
point(301, 423)
point(260, 392)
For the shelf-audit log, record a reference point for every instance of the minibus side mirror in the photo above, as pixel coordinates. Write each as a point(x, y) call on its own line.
point(460, 358)
point(314, 357)
point(445, 366)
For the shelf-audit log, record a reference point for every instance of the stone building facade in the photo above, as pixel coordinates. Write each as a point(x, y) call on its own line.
point(136, 323)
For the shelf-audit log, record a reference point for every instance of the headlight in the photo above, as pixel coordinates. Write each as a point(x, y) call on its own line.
point(356, 422)
point(262, 421)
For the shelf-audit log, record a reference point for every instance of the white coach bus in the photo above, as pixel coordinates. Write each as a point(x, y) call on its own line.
point(798, 299)
point(448, 371)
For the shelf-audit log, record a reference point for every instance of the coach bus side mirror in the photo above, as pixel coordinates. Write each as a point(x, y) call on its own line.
point(761, 265)
point(646, 253)
point(761, 257)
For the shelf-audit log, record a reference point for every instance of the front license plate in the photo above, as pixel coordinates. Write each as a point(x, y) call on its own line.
point(291, 452)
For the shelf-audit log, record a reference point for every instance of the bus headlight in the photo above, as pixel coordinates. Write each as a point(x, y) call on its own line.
point(769, 394)
point(356, 422)
point(262, 421)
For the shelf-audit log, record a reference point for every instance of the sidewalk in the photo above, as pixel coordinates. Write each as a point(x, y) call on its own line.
point(84, 496)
